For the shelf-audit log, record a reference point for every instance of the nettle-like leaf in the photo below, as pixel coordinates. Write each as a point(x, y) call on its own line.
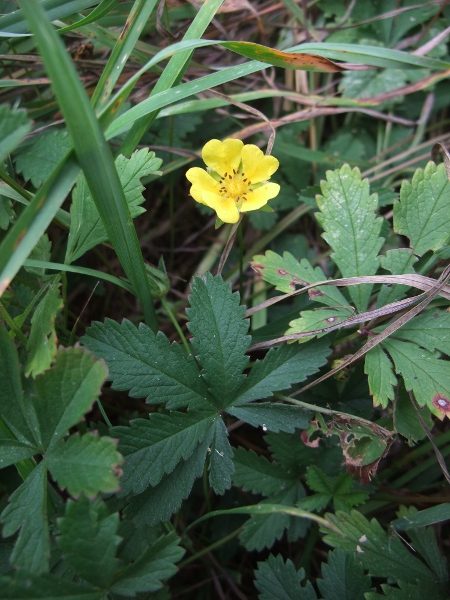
point(398, 262)
point(147, 364)
point(382, 380)
point(343, 577)
point(280, 368)
point(89, 540)
point(220, 336)
point(221, 465)
point(423, 212)
point(41, 154)
point(87, 229)
point(424, 373)
point(276, 579)
point(27, 512)
point(408, 591)
point(148, 571)
point(337, 490)
point(153, 447)
point(286, 272)
point(14, 126)
point(88, 464)
point(66, 392)
point(273, 417)
point(258, 475)
point(42, 343)
point(347, 215)
point(320, 318)
point(430, 329)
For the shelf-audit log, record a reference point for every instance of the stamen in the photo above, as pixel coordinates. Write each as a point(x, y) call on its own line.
point(230, 177)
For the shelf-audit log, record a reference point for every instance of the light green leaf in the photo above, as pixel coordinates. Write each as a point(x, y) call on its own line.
point(343, 577)
point(220, 336)
point(430, 329)
point(398, 262)
point(89, 540)
point(221, 465)
point(147, 364)
point(66, 392)
point(423, 212)
point(382, 380)
point(278, 580)
point(87, 229)
point(27, 511)
point(161, 441)
point(14, 126)
point(42, 343)
point(351, 227)
point(310, 320)
point(88, 464)
point(42, 252)
point(364, 84)
point(273, 417)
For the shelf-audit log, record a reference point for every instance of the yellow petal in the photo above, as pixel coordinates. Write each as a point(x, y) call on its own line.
point(255, 165)
point(201, 182)
point(225, 207)
point(223, 157)
point(259, 197)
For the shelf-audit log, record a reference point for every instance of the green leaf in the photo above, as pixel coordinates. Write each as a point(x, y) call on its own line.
point(39, 156)
point(147, 572)
point(27, 511)
point(45, 587)
point(409, 591)
point(281, 368)
point(428, 516)
point(423, 212)
point(351, 227)
point(273, 417)
point(153, 447)
point(381, 554)
point(66, 392)
point(42, 343)
point(338, 490)
point(147, 364)
point(343, 578)
point(89, 540)
point(221, 465)
point(278, 580)
point(220, 336)
point(382, 380)
point(430, 329)
point(86, 464)
point(398, 262)
point(14, 126)
point(159, 503)
point(286, 272)
point(87, 229)
point(257, 475)
point(42, 252)
point(320, 318)
point(405, 417)
point(13, 451)
point(364, 84)
point(424, 373)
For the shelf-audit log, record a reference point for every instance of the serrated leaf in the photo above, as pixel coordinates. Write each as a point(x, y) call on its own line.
point(66, 392)
point(343, 578)
point(423, 212)
point(381, 376)
point(88, 540)
point(430, 329)
point(286, 272)
point(147, 364)
point(256, 474)
point(26, 586)
point(221, 465)
point(13, 451)
point(320, 318)
point(398, 262)
point(405, 417)
point(42, 343)
point(428, 516)
point(281, 368)
point(153, 447)
point(276, 579)
point(87, 229)
point(159, 503)
point(220, 336)
point(86, 464)
point(273, 417)
point(42, 251)
point(351, 227)
point(381, 554)
point(27, 511)
point(41, 154)
point(409, 591)
point(147, 572)
point(337, 490)
point(424, 373)
point(14, 126)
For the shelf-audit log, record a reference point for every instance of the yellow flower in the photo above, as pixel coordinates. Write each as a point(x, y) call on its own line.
point(235, 180)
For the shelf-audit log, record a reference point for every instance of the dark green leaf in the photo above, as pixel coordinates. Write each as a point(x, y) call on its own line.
point(343, 578)
point(221, 465)
point(13, 451)
point(409, 591)
point(26, 586)
point(273, 417)
point(256, 474)
point(278, 580)
point(428, 516)
point(338, 490)
point(399, 262)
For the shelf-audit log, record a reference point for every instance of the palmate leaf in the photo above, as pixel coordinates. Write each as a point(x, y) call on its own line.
point(89, 540)
point(276, 579)
point(153, 447)
point(281, 368)
point(257, 475)
point(273, 417)
point(87, 229)
point(27, 511)
point(347, 215)
point(381, 376)
point(147, 364)
point(343, 578)
point(424, 373)
point(423, 212)
point(220, 336)
point(88, 464)
point(337, 490)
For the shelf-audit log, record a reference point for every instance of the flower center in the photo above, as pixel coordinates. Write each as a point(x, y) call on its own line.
point(234, 186)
